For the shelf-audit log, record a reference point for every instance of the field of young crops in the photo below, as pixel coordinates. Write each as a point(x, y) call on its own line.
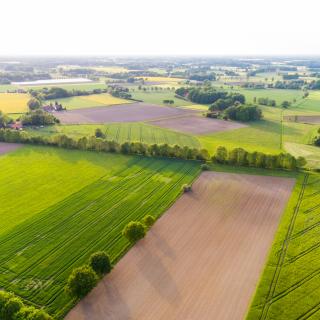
point(123, 132)
point(289, 287)
point(94, 100)
point(13, 102)
point(38, 254)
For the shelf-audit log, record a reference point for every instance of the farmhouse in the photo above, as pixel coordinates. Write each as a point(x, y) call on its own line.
point(17, 125)
point(53, 107)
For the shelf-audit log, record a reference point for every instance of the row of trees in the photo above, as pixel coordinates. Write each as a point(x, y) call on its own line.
point(13, 308)
point(58, 93)
point(241, 157)
point(83, 279)
point(99, 144)
point(237, 156)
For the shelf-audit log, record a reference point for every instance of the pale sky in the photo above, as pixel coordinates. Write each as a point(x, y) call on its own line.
point(162, 27)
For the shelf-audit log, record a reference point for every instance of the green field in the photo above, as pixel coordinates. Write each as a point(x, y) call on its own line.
point(69, 219)
point(289, 287)
point(123, 132)
point(6, 87)
point(276, 94)
point(76, 86)
point(157, 97)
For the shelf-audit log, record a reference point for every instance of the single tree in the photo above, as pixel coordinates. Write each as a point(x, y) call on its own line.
point(148, 220)
point(34, 104)
point(100, 262)
point(81, 281)
point(134, 231)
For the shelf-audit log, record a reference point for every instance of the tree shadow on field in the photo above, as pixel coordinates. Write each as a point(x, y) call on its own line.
point(152, 268)
point(105, 302)
point(162, 244)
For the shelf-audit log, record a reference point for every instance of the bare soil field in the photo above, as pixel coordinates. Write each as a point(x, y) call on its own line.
point(7, 147)
point(133, 112)
point(304, 119)
point(197, 125)
point(201, 260)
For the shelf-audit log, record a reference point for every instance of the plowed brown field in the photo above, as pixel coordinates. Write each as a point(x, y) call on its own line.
point(197, 125)
point(7, 147)
point(201, 260)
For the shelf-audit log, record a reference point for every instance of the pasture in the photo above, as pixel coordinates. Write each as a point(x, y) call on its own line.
point(86, 201)
point(76, 86)
point(157, 97)
point(123, 132)
point(93, 100)
point(276, 94)
point(14, 102)
point(201, 260)
point(291, 276)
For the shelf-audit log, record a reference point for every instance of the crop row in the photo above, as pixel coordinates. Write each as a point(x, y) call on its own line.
point(42, 252)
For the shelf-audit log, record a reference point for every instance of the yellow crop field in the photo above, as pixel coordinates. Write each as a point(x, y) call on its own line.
point(105, 99)
point(93, 100)
point(162, 79)
point(14, 102)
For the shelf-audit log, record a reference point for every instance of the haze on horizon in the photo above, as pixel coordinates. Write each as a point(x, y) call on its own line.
point(165, 27)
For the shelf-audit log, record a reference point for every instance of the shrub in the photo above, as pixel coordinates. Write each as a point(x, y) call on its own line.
point(186, 188)
point(100, 262)
point(204, 167)
point(4, 298)
point(81, 281)
point(99, 134)
point(148, 220)
point(134, 231)
point(31, 313)
point(11, 307)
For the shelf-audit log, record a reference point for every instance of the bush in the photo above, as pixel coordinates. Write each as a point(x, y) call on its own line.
point(204, 167)
point(11, 307)
point(99, 134)
point(148, 220)
point(31, 313)
point(81, 281)
point(134, 231)
point(100, 263)
point(186, 188)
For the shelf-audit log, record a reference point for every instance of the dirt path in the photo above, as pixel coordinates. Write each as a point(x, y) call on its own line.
point(7, 147)
point(201, 260)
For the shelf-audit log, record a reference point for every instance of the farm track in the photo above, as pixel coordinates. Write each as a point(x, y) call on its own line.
point(281, 259)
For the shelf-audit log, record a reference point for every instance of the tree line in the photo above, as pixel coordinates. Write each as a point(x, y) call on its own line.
point(241, 157)
point(13, 308)
point(237, 156)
